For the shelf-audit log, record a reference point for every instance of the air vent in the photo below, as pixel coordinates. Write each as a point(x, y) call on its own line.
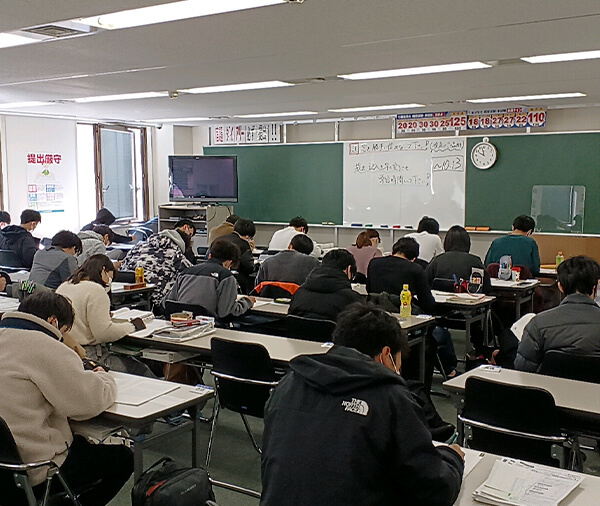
point(54, 31)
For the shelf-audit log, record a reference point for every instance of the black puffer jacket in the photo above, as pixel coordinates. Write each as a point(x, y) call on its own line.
point(342, 429)
point(325, 293)
point(19, 240)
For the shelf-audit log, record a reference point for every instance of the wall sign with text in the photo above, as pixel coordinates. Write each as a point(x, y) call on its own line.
point(516, 117)
point(431, 122)
point(255, 133)
point(44, 182)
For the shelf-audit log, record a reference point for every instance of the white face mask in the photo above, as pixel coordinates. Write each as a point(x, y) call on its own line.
point(107, 287)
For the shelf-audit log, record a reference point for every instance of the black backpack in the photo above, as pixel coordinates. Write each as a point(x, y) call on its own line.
point(172, 485)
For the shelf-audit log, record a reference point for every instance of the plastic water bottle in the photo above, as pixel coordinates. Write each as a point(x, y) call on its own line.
point(139, 273)
point(560, 258)
point(405, 299)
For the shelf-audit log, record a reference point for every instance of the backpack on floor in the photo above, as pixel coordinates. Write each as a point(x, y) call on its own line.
point(166, 483)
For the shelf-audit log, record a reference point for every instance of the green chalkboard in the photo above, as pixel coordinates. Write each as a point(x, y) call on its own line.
point(494, 197)
point(279, 182)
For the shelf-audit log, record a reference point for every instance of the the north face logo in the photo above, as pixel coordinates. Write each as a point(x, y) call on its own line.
point(356, 406)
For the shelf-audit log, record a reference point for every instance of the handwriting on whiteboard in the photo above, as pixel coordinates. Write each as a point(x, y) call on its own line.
point(399, 179)
point(446, 163)
point(432, 146)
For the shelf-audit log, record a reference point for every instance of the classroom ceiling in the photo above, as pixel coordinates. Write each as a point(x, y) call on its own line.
point(311, 43)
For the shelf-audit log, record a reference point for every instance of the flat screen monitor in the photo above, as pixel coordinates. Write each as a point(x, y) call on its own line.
point(203, 179)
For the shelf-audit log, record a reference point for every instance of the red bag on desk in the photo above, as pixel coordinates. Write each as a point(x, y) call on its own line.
point(172, 485)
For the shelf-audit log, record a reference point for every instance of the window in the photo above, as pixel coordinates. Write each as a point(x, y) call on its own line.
point(122, 171)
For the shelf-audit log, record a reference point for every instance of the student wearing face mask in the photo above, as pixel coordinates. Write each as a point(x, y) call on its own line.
point(87, 289)
point(362, 429)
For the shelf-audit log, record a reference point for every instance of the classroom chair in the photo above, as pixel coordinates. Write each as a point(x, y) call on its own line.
point(15, 485)
point(571, 366)
point(493, 269)
point(10, 261)
point(139, 233)
point(515, 421)
point(275, 289)
point(309, 329)
point(244, 378)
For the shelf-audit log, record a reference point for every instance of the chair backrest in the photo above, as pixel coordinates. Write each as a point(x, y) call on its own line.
point(515, 421)
point(244, 375)
point(140, 233)
point(309, 329)
point(442, 284)
point(124, 276)
point(275, 289)
point(571, 366)
point(9, 258)
point(9, 454)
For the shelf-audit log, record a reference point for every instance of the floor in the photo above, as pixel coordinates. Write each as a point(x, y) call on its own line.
point(234, 459)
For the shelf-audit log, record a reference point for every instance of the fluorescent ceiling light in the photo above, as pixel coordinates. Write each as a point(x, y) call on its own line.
point(275, 114)
point(549, 58)
point(123, 96)
point(238, 87)
point(19, 105)
point(526, 97)
point(171, 12)
point(174, 120)
point(11, 40)
point(414, 71)
point(377, 108)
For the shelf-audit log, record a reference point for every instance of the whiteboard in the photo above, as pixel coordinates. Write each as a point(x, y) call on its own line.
point(397, 182)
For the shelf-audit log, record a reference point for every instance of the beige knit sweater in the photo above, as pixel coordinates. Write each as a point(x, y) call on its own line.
point(92, 314)
point(43, 385)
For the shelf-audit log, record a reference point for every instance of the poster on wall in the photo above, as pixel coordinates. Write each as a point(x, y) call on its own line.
point(45, 191)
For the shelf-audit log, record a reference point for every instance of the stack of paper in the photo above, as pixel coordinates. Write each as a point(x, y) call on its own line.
point(518, 483)
point(125, 314)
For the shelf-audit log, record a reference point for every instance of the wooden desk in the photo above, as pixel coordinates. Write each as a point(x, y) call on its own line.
point(472, 310)
point(520, 292)
point(140, 419)
point(139, 297)
point(585, 494)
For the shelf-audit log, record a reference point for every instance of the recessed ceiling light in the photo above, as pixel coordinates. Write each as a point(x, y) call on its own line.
point(377, 108)
point(171, 12)
point(526, 97)
point(123, 96)
point(238, 87)
point(12, 40)
point(19, 105)
point(414, 71)
point(550, 58)
point(276, 114)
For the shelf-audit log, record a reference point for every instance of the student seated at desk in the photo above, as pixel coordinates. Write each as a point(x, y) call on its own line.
point(364, 251)
point(162, 257)
point(18, 238)
point(343, 428)
point(430, 244)
point(94, 242)
point(55, 264)
point(93, 327)
point(389, 274)
point(327, 289)
point(4, 219)
point(281, 238)
point(44, 385)
point(519, 244)
point(224, 228)
point(105, 217)
point(243, 237)
point(211, 284)
point(573, 326)
point(291, 265)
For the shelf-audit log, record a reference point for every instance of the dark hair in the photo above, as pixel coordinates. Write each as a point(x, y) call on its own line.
point(183, 222)
point(457, 239)
point(223, 250)
point(408, 246)
point(363, 240)
point(368, 329)
point(30, 215)
point(67, 239)
point(105, 217)
point(91, 270)
point(373, 233)
point(578, 274)
point(524, 223)
point(232, 218)
point(299, 222)
point(104, 230)
point(302, 244)
point(4, 217)
point(340, 258)
point(429, 225)
point(245, 227)
point(47, 304)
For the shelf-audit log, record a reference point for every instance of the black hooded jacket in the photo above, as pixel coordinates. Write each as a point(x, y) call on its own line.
point(341, 428)
point(325, 293)
point(20, 241)
point(105, 217)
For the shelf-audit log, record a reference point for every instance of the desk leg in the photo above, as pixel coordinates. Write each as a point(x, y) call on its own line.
point(422, 357)
point(138, 460)
point(518, 302)
point(193, 411)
